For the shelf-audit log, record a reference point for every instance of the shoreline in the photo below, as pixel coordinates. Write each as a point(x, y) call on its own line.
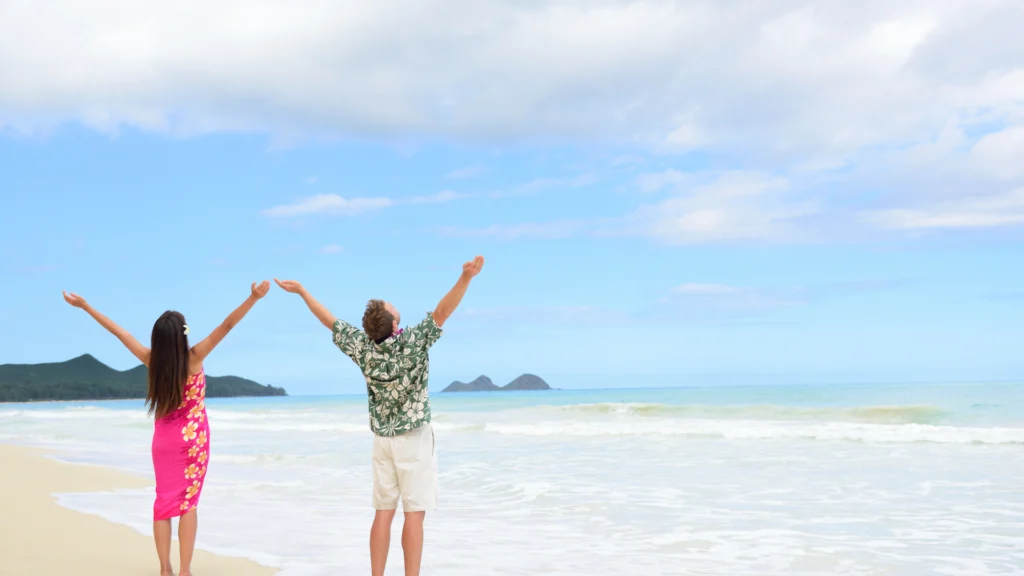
point(140, 398)
point(39, 536)
point(648, 389)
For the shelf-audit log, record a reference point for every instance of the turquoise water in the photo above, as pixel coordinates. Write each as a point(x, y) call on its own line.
point(955, 404)
point(840, 479)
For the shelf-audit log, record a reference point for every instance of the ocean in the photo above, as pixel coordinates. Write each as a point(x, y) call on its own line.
point(839, 479)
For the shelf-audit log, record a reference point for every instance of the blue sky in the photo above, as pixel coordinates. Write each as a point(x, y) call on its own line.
point(665, 194)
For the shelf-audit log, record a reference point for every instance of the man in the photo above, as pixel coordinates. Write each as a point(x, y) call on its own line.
point(395, 364)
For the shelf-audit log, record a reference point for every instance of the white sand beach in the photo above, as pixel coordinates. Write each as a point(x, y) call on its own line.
point(38, 536)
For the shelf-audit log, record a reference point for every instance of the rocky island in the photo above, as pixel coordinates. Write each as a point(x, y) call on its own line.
point(484, 384)
point(86, 378)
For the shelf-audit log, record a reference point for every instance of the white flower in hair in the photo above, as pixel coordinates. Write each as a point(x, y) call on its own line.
point(186, 329)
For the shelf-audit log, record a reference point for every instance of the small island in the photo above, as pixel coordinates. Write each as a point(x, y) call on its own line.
point(86, 378)
point(484, 384)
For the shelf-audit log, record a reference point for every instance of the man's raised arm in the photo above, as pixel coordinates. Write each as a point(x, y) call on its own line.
point(451, 300)
point(322, 314)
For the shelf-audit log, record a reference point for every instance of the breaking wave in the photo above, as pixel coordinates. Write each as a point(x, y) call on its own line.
point(754, 430)
point(917, 413)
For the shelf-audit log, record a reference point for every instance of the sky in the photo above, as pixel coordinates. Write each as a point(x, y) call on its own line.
point(666, 193)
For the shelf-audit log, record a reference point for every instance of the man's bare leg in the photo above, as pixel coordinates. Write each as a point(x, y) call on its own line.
point(380, 541)
point(412, 542)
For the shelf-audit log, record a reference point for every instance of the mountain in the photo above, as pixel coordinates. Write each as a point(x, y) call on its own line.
point(527, 382)
point(481, 384)
point(86, 378)
point(484, 384)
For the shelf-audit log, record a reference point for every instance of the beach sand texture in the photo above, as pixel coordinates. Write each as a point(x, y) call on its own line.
point(39, 537)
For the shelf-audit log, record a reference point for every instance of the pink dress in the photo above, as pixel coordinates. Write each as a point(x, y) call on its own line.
point(181, 452)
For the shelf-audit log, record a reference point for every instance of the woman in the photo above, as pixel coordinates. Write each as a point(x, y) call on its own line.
point(181, 434)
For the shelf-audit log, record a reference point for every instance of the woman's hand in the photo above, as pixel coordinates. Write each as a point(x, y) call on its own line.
point(260, 290)
point(75, 300)
point(206, 345)
point(133, 345)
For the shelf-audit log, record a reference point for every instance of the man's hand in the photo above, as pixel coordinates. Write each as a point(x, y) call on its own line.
point(473, 267)
point(75, 300)
point(322, 314)
point(260, 290)
point(451, 300)
point(289, 286)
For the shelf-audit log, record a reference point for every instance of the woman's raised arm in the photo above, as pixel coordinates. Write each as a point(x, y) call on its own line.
point(203, 349)
point(134, 346)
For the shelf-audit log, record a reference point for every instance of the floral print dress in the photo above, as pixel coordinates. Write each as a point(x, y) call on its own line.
point(181, 452)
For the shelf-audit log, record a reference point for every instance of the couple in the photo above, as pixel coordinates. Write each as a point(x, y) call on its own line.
point(395, 364)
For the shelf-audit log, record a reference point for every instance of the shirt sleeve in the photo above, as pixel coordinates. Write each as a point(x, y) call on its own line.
point(426, 333)
point(348, 338)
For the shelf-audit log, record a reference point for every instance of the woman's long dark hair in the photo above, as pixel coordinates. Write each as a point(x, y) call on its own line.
point(168, 364)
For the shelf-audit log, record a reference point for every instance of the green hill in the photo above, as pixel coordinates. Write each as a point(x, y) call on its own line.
point(481, 384)
point(86, 378)
point(484, 384)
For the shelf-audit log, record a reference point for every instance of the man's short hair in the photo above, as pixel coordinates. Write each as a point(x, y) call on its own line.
point(378, 323)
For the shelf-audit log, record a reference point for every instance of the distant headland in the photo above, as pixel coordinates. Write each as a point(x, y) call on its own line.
point(484, 384)
point(86, 378)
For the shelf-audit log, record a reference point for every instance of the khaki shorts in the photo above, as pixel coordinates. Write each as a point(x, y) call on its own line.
point(405, 467)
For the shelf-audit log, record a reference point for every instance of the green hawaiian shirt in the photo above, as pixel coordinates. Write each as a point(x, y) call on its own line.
point(396, 373)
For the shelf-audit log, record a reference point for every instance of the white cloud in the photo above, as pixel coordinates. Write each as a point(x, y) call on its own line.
point(628, 160)
point(725, 301)
point(328, 204)
point(730, 207)
point(440, 197)
point(685, 137)
point(331, 249)
point(792, 76)
point(572, 315)
point(893, 41)
point(1001, 154)
point(543, 230)
point(703, 208)
point(335, 205)
point(655, 181)
point(985, 212)
point(539, 185)
point(467, 172)
point(542, 184)
point(706, 289)
point(720, 301)
point(899, 96)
